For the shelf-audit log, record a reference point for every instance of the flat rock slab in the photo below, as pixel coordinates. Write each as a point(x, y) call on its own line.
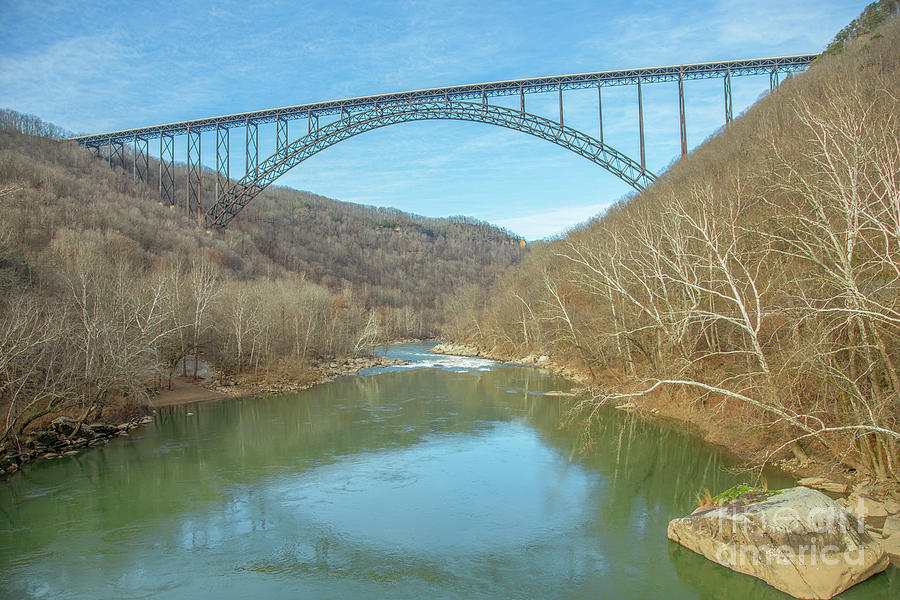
point(820, 483)
point(797, 540)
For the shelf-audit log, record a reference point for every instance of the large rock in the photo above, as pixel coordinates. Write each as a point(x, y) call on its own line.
point(64, 425)
point(797, 540)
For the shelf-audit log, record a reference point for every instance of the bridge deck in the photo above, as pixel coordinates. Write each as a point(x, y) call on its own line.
point(734, 68)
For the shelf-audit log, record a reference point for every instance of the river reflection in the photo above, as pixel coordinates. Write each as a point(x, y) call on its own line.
point(454, 482)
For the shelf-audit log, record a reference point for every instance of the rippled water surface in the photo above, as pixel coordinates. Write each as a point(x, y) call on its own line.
point(445, 478)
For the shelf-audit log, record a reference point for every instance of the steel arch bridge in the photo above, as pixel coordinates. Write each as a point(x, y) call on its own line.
point(242, 192)
point(354, 116)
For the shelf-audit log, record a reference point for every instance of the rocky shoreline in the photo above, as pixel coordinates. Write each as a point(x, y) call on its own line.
point(326, 371)
point(64, 438)
point(542, 361)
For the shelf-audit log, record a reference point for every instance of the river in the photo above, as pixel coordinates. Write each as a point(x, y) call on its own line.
point(445, 478)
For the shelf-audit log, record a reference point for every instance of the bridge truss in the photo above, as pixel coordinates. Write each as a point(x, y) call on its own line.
point(352, 116)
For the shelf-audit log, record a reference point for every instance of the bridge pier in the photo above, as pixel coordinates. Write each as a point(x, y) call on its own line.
point(728, 108)
point(773, 79)
point(281, 133)
point(641, 123)
point(310, 117)
point(192, 191)
point(115, 155)
point(681, 113)
point(251, 159)
point(560, 106)
point(600, 108)
point(223, 161)
point(141, 164)
point(167, 169)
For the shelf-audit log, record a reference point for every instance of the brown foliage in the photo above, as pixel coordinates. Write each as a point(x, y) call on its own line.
point(764, 269)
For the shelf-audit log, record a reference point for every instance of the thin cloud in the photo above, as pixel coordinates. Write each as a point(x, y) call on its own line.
point(552, 222)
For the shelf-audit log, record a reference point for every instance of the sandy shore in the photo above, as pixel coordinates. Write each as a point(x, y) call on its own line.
point(184, 391)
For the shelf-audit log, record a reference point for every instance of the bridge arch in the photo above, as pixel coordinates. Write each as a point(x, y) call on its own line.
point(233, 200)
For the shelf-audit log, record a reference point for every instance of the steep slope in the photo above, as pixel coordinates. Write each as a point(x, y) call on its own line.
point(755, 288)
point(104, 291)
point(399, 263)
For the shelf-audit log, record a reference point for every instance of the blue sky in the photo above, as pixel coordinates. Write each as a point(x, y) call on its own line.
point(98, 66)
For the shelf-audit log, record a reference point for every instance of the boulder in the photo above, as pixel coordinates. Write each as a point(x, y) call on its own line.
point(64, 425)
point(797, 540)
point(46, 437)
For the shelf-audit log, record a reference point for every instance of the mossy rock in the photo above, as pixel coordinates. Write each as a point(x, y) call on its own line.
point(743, 493)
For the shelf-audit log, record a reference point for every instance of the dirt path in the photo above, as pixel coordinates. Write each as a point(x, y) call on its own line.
point(184, 392)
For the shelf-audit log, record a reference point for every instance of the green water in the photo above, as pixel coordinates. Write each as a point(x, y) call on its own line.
point(413, 483)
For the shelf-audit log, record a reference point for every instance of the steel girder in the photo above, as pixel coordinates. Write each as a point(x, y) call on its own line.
point(243, 191)
point(480, 91)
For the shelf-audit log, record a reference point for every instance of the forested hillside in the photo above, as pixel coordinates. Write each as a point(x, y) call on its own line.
point(392, 258)
point(102, 288)
point(756, 283)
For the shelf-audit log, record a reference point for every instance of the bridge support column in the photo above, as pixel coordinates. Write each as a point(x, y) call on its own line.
point(600, 108)
point(223, 161)
point(167, 169)
point(773, 79)
point(141, 156)
point(310, 118)
point(521, 99)
point(641, 123)
point(560, 106)
point(281, 133)
point(251, 159)
point(728, 112)
point(192, 191)
point(115, 155)
point(681, 113)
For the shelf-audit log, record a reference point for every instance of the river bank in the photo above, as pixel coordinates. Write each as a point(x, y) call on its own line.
point(186, 391)
point(57, 436)
point(708, 424)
